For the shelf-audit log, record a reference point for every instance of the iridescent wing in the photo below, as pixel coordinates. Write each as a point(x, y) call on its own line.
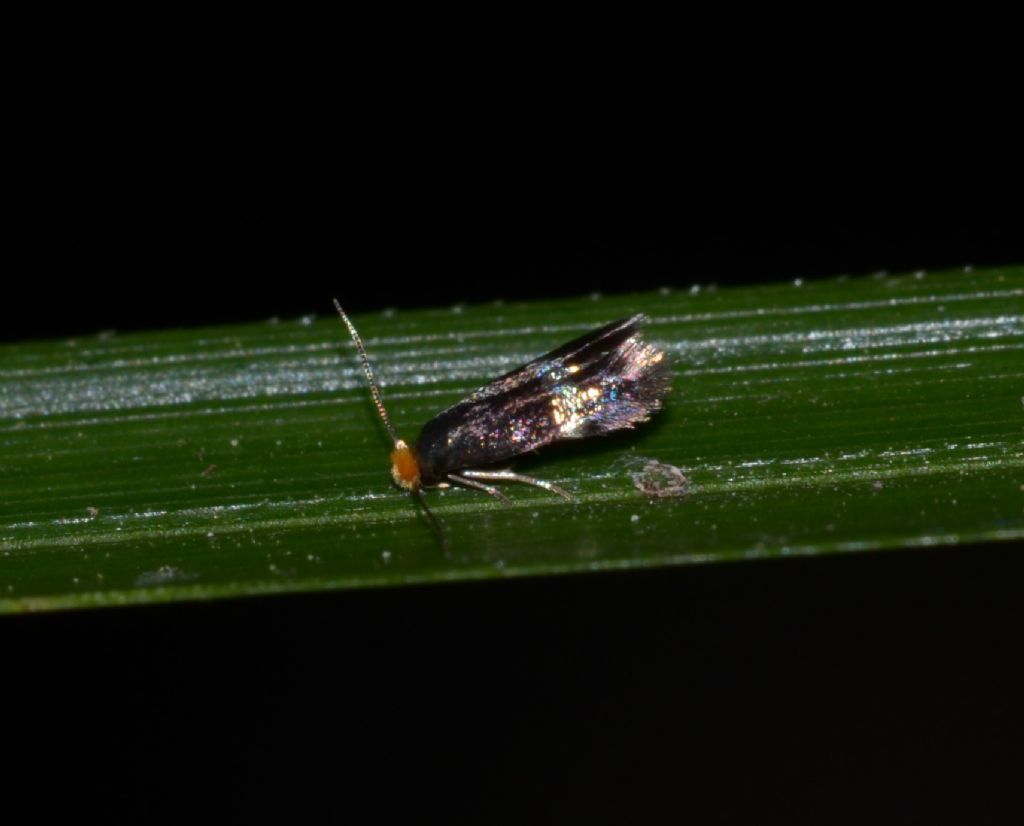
point(603, 381)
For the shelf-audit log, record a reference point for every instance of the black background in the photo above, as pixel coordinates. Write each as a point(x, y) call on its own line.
point(831, 688)
point(156, 205)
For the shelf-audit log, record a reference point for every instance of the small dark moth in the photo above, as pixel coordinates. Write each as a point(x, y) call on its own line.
point(605, 380)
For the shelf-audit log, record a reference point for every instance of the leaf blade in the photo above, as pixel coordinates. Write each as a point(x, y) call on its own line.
point(836, 416)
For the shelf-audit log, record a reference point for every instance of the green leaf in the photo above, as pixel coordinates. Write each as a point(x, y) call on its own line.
point(842, 415)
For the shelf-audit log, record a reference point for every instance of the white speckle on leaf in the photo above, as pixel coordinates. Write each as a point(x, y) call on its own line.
point(163, 575)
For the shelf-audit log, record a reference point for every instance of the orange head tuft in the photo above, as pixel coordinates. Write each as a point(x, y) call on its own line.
point(405, 468)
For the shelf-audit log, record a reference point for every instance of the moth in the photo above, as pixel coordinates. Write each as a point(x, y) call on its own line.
point(603, 381)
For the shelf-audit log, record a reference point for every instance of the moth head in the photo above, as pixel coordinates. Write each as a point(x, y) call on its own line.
point(405, 467)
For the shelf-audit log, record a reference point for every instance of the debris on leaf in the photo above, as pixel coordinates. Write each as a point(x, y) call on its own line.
point(660, 480)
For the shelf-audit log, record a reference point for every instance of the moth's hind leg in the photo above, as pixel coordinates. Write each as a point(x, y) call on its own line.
point(511, 476)
point(469, 483)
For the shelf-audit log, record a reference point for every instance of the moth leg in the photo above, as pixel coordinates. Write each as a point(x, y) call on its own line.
point(511, 476)
point(469, 483)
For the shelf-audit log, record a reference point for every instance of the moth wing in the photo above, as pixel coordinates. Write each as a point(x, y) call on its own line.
point(603, 381)
point(585, 349)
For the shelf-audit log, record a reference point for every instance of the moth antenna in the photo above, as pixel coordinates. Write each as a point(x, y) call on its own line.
point(374, 390)
point(438, 527)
